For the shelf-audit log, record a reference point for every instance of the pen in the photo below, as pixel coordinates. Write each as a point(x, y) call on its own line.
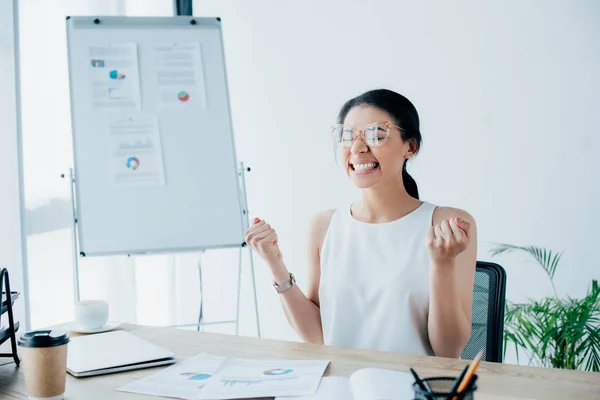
point(453, 391)
point(418, 379)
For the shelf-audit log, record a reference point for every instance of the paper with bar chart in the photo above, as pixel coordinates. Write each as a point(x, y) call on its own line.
point(136, 156)
point(180, 76)
point(243, 378)
point(114, 76)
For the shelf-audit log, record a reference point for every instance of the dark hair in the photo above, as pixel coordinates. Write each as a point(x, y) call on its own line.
point(405, 116)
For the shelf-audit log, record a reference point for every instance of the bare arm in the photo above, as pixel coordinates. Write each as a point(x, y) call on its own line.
point(302, 311)
point(451, 283)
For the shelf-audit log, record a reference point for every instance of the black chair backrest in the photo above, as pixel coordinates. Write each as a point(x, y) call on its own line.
point(487, 328)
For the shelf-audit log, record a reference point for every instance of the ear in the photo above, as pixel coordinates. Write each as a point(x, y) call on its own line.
point(411, 149)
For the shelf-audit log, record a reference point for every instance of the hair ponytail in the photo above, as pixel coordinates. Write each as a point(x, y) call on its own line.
point(409, 183)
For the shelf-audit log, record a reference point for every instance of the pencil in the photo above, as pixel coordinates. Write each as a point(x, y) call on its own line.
point(470, 372)
point(457, 382)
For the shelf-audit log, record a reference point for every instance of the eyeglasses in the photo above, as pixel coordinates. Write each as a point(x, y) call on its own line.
point(374, 134)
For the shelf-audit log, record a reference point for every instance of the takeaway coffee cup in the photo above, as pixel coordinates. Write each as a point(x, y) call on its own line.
point(44, 355)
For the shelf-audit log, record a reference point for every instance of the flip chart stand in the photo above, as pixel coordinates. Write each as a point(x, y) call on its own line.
point(242, 176)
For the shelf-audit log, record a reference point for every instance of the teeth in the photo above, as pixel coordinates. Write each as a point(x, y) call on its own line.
point(363, 167)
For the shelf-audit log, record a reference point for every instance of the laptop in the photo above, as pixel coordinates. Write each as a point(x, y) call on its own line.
point(111, 352)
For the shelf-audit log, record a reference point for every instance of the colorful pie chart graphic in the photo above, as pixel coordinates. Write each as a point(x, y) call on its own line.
point(183, 96)
point(278, 371)
point(114, 74)
point(133, 163)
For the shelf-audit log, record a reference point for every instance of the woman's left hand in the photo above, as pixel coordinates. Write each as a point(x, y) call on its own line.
point(447, 240)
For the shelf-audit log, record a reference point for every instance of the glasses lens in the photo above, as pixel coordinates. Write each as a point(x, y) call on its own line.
point(343, 136)
point(376, 134)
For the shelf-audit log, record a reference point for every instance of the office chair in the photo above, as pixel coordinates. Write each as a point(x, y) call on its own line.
point(487, 328)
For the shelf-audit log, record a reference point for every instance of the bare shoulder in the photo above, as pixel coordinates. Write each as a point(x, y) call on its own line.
point(318, 225)
point(317, 229)
point(322, 218)
point(443, 213)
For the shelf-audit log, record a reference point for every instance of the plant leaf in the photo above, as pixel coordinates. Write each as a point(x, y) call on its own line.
point(554, 332)
point(547, 259)
point(591, 349)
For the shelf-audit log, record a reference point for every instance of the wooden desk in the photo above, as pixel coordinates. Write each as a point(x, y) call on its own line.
point(496, 381)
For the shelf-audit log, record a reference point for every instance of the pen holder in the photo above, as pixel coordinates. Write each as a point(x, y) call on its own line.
point(439, 388)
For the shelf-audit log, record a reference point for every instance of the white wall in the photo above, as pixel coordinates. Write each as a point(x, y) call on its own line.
point(11, 250)
point(509, 98)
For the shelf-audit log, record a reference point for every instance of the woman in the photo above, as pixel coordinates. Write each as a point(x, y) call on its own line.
point(391, 272)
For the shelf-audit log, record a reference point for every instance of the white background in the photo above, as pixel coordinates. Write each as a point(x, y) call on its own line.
point(509, 99)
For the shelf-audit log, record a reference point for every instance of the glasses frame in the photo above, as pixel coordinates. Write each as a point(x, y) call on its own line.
point(360, 133)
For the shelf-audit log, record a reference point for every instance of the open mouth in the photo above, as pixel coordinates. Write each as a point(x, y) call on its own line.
point(364, 167)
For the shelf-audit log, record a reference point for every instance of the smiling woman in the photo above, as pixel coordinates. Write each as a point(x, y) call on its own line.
point(391, 272)
point(383, 104)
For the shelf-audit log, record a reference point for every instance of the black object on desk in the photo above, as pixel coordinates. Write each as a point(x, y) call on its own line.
point(6, 306)
point(419, 381)
point(441, 388)
point(458, 381)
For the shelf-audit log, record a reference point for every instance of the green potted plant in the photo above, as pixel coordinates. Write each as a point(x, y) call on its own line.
point(553, 332)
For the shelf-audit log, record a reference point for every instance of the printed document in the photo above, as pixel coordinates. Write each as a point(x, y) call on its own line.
point(114, 76)
point(209, 377)
point(180, 76)
point(136, 156)
point(242, 378)
point(182, 381)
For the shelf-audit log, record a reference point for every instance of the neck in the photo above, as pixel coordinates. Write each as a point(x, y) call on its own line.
point(385, 203)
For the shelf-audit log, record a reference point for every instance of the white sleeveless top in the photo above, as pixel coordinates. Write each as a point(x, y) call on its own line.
point(374, 289)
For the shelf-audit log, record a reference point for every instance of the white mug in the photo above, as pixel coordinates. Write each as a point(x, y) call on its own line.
point(91, 314)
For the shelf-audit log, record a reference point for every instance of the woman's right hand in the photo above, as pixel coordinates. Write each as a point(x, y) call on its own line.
point(263, 239)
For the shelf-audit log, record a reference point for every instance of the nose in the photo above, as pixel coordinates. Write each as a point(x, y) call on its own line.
point(359, 146)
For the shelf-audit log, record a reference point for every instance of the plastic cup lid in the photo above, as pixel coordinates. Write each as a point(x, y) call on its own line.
point(44, 338)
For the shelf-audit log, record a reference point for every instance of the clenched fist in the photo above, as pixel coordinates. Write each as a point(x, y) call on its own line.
point(263, 239)
point(448, 239)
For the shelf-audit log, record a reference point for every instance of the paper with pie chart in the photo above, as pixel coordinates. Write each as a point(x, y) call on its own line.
point(114, 76)
point(180, 75)
point(136, 156)
point(207, 376)
point(244, 378)
point(183, 380)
